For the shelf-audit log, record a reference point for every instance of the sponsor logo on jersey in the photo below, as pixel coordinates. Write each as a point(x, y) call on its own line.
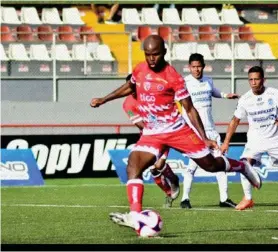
point(270, 101)
point(160, 87)
point(147, 85)
point(147, 98)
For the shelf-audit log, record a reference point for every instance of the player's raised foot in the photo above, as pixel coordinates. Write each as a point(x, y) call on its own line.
point(123, 219)
point(185, 204)
point(252, 175)
point(227, 203)
point(244, 204)
point(175, 188)
point(168, 202)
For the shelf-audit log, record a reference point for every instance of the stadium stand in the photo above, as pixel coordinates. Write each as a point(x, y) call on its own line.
point(150, 16)
point(25, 33)
point(206, 33)
point(143, 32)
point(51, 16)
point(210, 16)
point(103, 53)
point(6, 34)
point(18, 52)
point(60, 52)
point(29, 15)
point(165, 32)
point(190, 16)
point(230, 16)
point(225, 32)
point(80, 52)
point(205, 51)
point(65, 34)
point(39, 52)
point(45, 33)
point(246, 33)
point(3, 56)
point(243, 51)
point(222, 51)
point(131, 17)
point(89, 33)
point(263, 51)
point(186, 33)
point(182, 51)
point(9, 16)
point(171, 16)
point(71, 16)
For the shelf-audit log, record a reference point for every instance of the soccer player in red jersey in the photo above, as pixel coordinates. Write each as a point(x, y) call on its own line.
point(158, 85)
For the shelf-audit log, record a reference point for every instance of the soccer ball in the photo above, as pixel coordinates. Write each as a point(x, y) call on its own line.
point(148, 223)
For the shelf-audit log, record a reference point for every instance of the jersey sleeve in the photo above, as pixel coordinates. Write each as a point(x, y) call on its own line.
point(178, 85)
point(240, 111)
point(130, 108)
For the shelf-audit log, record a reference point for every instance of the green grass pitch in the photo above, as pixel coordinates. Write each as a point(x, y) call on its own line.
point(75, 211)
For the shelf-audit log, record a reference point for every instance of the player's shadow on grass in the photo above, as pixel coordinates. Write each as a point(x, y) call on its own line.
point(266, 204)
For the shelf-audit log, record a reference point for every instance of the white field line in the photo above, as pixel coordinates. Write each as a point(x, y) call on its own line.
point(97, 206)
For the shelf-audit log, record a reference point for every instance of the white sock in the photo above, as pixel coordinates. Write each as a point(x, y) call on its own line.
point(246, 186)
point(222, 180)
point(188, 178)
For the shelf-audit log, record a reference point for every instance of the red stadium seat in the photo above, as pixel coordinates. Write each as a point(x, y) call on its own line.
point(246, 33)
point(25, 33)
point(6, 34)
point(143, 32)
point(65, 33)
point(45, 33)
point(89, 33)
point(206, 33)
point(165, 32)
point(225, 32)
point(186, 33)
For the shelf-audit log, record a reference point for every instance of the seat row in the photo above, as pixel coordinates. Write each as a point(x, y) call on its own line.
point(60, 52)
point(149, 16)
point(222, 51)
point(203, 33)
point(65, 33)
point(29, 15)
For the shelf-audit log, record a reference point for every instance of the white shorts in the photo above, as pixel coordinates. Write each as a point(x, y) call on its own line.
point(255, 149)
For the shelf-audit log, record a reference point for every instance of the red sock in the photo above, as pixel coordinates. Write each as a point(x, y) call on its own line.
point(169, 174)
point(162, 183)
point(135, 190)
point(235, 166)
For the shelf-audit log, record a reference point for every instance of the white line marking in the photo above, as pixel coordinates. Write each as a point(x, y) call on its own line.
point(54, 186)
point(146, 207)
point(274, 238)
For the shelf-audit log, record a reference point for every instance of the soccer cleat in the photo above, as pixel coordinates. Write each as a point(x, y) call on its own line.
point(227, 203)
point(175, 188)
point(123, 219)
point(244, 204)
point(251, 174)
point(185, 204)
point(168, 202)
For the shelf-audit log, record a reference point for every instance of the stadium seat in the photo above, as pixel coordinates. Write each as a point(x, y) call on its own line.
point(243, 51)
point(3, 56)
point(29, 15)
point(65, 33)
point(91, 36)
point(150, 16)
point(143, 32)
point(206, 33)
point(182, 51)
point(92, 47)
point(225, 32)
point(71, 16)
point(60, 52)
point(18, 52)
point(190, 16)
point(25, 33)
point(205, 51)
point(210, 16)
point(45, 33)
point(263, 51)
point(186, 33)
point(80, 52)
point(165, 32)
point(168, 52)
point(9, 16)
point(103, 53)
point(230, 16)
point(245, 33)
point(39, 52)
point(51, 16)
point(6, 34)
point(171, 16)
point(130, 16)
point(222, 51)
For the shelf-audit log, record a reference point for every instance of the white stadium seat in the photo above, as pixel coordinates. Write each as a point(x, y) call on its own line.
point(29, 15)
point(39, 52)
point(243, 51)
point(3, 56)
point(168, 53)
point(80, 52)
point(182, 51)
point(222, 51)
point(263, 51)
point(171, 16)
point(210, 16)
point(190, 16)
point(131, 16)
point(103, 53)
point(60, 52)
point(9, 15)
point(150, 16)
point(205, 51)
point(230, 16)
point(18, 52)
point(71, 16)
point(51, 16)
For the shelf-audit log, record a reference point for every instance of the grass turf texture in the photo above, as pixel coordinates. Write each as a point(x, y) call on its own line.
point(75, 211)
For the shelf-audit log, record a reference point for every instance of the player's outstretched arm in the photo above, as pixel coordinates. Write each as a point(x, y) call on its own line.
point(218, 94)
point(230, 131)
point(122, 91)
point(196, 121)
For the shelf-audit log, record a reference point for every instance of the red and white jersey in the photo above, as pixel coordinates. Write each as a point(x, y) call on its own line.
point(130, 106)
point(156, 93)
